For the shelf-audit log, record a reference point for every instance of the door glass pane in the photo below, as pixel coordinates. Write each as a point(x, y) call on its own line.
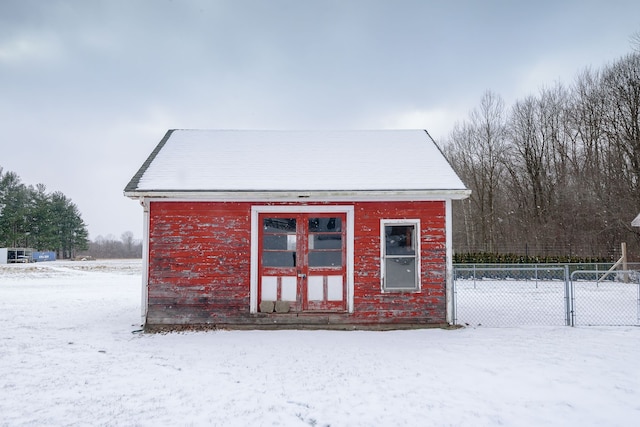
point(279, 259)
point(400, 273)
point(285, 242)
point(325, 258)
point(276, 241)
point(325, 224)
point(399, 239)
point(325, 241)
point(279, 242)
point(279, 225)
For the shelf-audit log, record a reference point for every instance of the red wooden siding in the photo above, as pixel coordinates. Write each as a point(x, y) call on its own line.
point(200, 255)
point(428, 305)
point(199, 260)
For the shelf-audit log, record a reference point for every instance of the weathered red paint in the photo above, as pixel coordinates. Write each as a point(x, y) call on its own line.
point(199, 268)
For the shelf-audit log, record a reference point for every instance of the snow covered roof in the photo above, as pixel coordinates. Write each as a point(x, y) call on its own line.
point(296, 161)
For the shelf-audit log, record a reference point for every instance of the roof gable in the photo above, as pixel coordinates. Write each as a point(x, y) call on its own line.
point(246, 160)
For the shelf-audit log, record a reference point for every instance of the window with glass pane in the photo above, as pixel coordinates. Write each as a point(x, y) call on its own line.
point(400, 251)
point(279, 242)
point(325, 242)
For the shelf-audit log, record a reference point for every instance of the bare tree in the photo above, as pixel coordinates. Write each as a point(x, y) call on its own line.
point(109, 247)
point(477, 149)
point(635, 41)
point(621, 83)
point(560, 174)
point(127, 241)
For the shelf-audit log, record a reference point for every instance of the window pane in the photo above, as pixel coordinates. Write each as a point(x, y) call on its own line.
point(400, 273)
point(325, 241)
point(275, 241)
point(325, 224)
point(279, 242)
point(285, 242)
point(325, 258)
point(279, 259)
point(279, 225)
point(399, 239)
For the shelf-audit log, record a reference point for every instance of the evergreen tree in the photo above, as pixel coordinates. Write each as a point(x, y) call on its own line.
point(31, 217)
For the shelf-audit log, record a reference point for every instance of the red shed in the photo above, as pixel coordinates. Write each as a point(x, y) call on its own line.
point(326, 229)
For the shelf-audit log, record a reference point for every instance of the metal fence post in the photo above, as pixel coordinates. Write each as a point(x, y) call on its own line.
point(454, 317)
point(568, 289)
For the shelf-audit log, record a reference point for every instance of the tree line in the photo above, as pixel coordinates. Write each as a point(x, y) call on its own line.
point(110, 247)
point(32, 217)
point(557, 173)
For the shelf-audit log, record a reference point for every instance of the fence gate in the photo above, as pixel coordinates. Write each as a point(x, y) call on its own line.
point(605, 299)
point(513, 296)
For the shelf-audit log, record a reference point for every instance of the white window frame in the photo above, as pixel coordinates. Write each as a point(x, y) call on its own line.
point(383, 256)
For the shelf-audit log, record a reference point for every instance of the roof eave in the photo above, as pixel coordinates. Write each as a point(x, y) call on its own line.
point(297, 195)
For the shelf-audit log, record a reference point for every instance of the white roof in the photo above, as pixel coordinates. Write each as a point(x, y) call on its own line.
point(636, 221)
point(311, 161)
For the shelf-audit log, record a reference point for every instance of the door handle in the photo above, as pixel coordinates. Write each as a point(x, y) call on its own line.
point(302, 275)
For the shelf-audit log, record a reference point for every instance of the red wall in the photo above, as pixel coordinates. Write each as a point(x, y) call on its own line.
point(199, 268)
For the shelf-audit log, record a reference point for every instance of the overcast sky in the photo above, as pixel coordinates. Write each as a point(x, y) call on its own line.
point(88, 87)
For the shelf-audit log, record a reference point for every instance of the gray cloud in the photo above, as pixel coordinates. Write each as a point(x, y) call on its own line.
point(87, 88)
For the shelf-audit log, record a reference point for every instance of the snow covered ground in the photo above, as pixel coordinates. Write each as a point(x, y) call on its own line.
point(70, 355)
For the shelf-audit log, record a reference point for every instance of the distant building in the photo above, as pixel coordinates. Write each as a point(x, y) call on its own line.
point(264, 229)
point(15, 255)
point(23, 255)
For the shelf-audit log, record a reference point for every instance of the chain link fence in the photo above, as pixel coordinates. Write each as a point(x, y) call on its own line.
point(544, 295)
point(510, 296)
point(609, 299)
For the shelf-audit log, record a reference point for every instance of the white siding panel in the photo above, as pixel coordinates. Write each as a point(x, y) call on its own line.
point(334, 288)
point(289, 286)
point(269, 288)
point(315, 288)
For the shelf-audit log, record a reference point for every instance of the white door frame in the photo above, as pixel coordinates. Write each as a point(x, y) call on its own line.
point(294, 209)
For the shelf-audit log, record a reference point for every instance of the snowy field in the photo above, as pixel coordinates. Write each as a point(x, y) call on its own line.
point(70, 355)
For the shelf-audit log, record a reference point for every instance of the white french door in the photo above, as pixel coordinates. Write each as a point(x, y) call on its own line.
point(302, 260)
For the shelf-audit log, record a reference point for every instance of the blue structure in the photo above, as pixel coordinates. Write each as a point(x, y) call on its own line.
point(43, 256)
